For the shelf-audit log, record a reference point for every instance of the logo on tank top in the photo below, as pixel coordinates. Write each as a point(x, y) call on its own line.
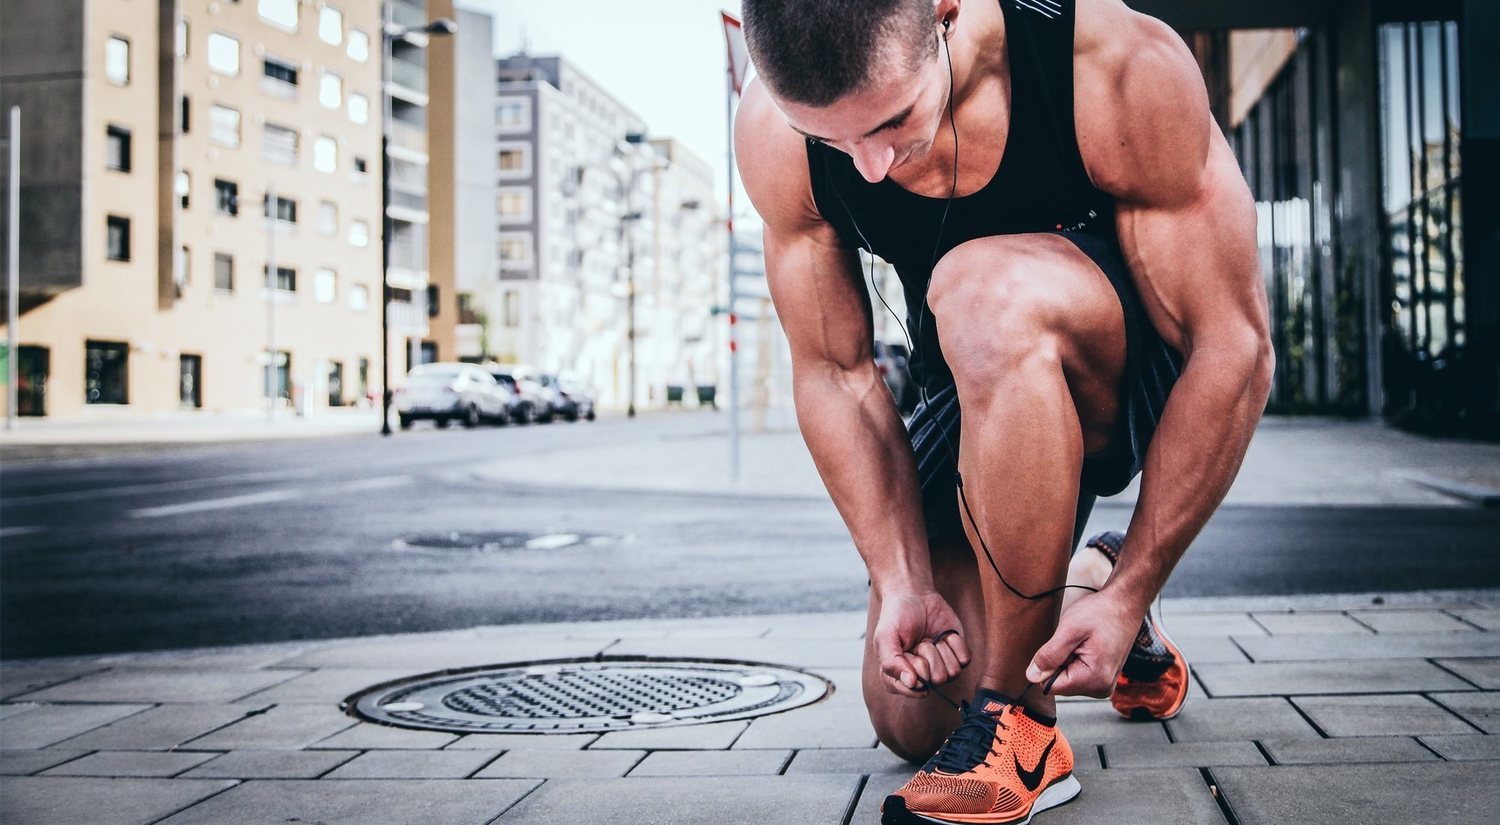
point(1049, 9)
point(1081, 225)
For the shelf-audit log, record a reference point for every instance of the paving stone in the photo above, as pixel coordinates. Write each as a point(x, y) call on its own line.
point(712, 763)
point(1393, 715)
point(1202, 649)
point(20, 679)
point(1331, 676)
point(239, 657)
point(1459, 643)
point(48, 724)
point(746, 631)
point(1218, 720)
point(7, 711)
point(55, 800)
point(1465, 748)
point(876, 789)
point(1182, 755)
point(1481, 709)
point(414, 765)
point(1096, 722)
point(161, 685)
point(131, 763)
point(850, 760)
point(161, 728)
point(367, 736)
point(1482, 672)
point(1433, 794)
point(1410, 621)
point(1284, 624)
point(271, 765)
point(359, 802)
point(1348, 750)
point(523, 741)
point(754, 800)
point(284, 727)
point(1486, 617)
point(21, 763)
point(562, 764)
point(330, 685)
point(713, 736)
point(805, 653)
point(1188, 625)
point(838, 724)
point(422, 654)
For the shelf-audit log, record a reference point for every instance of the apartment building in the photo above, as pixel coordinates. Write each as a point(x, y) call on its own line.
point(414, 300)
point(200, 203)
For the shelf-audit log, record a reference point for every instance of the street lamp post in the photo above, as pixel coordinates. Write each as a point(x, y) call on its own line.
point(390, 32)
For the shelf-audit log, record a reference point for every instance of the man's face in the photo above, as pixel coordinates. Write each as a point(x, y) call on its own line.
point(891, 121)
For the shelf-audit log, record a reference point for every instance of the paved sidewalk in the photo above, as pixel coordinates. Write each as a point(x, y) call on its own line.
point(1318, 710)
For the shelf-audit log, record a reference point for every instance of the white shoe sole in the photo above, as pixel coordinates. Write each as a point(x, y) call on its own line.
point(1058, 794)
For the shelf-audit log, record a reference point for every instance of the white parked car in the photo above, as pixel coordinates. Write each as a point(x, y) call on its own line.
point(445, 392)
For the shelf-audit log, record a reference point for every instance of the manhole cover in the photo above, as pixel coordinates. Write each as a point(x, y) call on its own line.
point(574, 697)
point(491, 541)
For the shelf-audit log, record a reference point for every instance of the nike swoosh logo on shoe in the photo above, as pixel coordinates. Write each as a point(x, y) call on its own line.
point(1033, 778)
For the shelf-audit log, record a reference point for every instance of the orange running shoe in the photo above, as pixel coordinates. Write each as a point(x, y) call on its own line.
point(1003, 764)
point(1153, 685)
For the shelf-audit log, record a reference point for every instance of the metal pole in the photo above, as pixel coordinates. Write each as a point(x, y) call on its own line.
point(385, 221)
point(630, 305)
point(271, 289)
point(734, 366)
point(13, 274)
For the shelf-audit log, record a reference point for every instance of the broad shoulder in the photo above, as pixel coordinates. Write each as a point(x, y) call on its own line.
point(1141, 107)
point(772, 160)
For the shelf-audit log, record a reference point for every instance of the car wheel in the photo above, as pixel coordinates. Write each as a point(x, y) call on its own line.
point(524, 416)
point(441, 423)
point(590, 416)
point(471, 417)
point(405, 421)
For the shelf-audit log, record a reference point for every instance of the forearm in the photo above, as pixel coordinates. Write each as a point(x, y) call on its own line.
point(860, 448)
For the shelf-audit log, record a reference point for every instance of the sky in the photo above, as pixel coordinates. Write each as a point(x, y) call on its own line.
point(663, 58)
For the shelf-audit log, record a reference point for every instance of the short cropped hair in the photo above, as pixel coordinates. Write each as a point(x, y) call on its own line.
point(814, 52)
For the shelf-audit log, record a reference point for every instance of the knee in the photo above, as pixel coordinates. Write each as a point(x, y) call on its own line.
point(995, 318)
point(913, 745)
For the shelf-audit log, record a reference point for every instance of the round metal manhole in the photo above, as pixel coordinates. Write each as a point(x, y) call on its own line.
point(493, 541)
point(588, 696)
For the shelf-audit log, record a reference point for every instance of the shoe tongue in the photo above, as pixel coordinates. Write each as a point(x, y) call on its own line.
point(991, 701)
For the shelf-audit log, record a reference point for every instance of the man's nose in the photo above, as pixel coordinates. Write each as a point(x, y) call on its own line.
point(874, 162)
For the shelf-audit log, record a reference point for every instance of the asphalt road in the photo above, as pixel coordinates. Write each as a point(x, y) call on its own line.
point(190, 546)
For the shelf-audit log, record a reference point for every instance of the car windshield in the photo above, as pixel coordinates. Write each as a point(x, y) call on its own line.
point(504, 378)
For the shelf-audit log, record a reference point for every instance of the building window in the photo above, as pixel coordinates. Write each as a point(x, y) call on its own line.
point(331, 90)
point(117, 148)
point(359, 233)
point(515, 161)
point(360, 167)
point(190, 381)
point(513, 114)
point(325, 286)
point(105, 374)
point(336, 383)
point(359, 108)
point(328, 218)
point(286, 279)
point(515, 251)
point(118, 238)
point(325, 154)
point(279, 13)
point(224, 125)
point(183, 189)
point(117, 61)
point(224, 54)
point(182, 38)
point(364, 377)
point(359, 45)
point(330, 25)
point(182, 274)
point(280, 76)
point(286, 209)
point(226, 197)
point(278, 144)
point(184, 115)
point(277, 382)
point(359, 298)
point(223, 272)
point(512, 309)
point(433, 294)
point(515, 206)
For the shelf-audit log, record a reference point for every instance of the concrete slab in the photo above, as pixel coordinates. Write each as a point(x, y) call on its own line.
point(1202, 649)
point(53, 800)
point(1331, 676)
point(1394, 715)
point(1347, 751)
point(563, 764)
point(713, 736)
point(331, 685)
point(1465, 748)
point(271, 765)
point(1433, 794)
point(1219, 720)
point(850, 761)
point(1411, 621)
point(713, 763)
point(20, 678)
point(1458, 643)
point(1096, 722)
point(1483, 672)
point(803, 653)
point(839, 723)
point(49, 724)
point(284, 727)
point(7, 711)
point(359, 802)
point(1182, 625)
point(1182, 755)
point(131, 763)
point(160, 685)
point(21, 763)
point(367, 736)
point(423, 654)
point(1285, 624)
point(161, 728)
point(511, 741)
point(423, 764)
point(1485, 617)
point(786, 800)
point(1482, 710)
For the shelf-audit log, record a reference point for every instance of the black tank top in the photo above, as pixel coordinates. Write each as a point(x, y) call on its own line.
point(1040, 186)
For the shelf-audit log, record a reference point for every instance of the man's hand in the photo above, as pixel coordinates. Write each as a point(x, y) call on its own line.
point(918, 635)
point(1093, 638)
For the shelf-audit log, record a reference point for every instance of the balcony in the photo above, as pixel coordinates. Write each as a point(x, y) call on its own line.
point(410, 15)
point(407, 136)
point(411, 76)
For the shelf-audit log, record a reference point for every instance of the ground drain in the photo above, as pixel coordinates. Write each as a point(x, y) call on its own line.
point(493, 541)
point(588, 696)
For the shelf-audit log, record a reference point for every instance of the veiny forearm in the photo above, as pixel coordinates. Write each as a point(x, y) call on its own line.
point(860, 448)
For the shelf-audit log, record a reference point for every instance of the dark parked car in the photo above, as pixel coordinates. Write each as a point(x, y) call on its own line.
point(573, 401)
point(531, 398)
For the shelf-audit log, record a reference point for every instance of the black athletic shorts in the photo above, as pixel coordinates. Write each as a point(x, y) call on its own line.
point(1151, 368)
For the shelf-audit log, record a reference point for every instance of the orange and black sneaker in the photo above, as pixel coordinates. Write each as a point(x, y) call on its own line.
point(1153, 685)
point(1003, 764)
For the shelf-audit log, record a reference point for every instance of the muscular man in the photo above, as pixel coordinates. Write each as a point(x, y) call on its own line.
point(1077, 250)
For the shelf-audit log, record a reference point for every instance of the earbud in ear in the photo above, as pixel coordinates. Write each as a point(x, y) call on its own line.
point(946, 24)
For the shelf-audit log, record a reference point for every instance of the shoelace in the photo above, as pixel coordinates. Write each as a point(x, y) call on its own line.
point(972, 743)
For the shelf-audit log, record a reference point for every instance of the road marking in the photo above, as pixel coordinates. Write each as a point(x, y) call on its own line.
point(552, 542)
point(10, 532)
point(382, 483)
point(154, 487)
point(268, 497)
